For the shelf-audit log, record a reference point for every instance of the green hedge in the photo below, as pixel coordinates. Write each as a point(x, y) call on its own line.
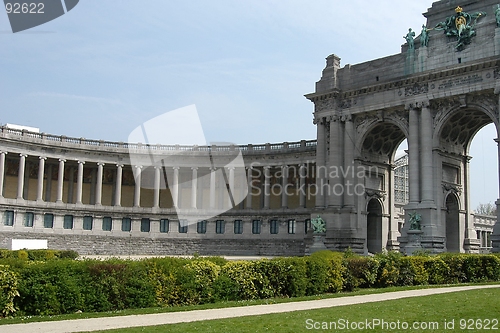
point(55, 286)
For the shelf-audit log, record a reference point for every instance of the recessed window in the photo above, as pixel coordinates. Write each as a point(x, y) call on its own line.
point(291, 226)
point(256, 226)
point(201, 227)
point(183, 226)
point(307, 225)
point(220, 226)
point(107, 223)
point(274, 226)
point(164, 225)
point(8, 218)
point(88, 221)
point(68, 222)
point(29, 219)
point(126, 224)
point(238, 226)
point(145, 225)
point(48, 220)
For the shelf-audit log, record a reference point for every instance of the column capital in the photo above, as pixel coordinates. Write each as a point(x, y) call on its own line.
point(194, 168)
point(120, 165)
point(100, 163)
point(80, 162)
point(3, 153)
point(176, 167)
point(62, 160)
point(417, 105)
point(138, 167)
point(41, 157)
point(23, 155)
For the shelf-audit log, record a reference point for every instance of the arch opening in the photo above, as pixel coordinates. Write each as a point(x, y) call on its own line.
point(452, 224)
point(374, 227)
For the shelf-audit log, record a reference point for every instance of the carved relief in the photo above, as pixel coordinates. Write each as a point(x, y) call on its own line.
point(325, 104)
point(417, 89)
point(375, 194)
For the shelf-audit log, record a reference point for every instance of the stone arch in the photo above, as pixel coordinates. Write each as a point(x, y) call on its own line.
point(458, 121)
point(374, 236)
point(452, 223)
point(381, 139)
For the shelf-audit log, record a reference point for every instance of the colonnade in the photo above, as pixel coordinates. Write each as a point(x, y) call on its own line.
point(258, 180)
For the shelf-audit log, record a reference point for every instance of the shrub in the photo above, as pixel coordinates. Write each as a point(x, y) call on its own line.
point(412, 271)
point(437, 269)
point(8, 290)
point(388, 272)
point(245, 277)
point(361, 272)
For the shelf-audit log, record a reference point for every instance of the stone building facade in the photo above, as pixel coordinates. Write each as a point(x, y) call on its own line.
point(443, 87)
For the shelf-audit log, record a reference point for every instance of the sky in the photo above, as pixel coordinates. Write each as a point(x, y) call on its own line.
point(106, 67)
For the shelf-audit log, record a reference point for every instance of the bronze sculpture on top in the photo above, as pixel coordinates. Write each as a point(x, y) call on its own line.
point(461, 25)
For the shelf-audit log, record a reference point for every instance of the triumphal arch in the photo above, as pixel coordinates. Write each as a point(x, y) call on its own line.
point(437, 93)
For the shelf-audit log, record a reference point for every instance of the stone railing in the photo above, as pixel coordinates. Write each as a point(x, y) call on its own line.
point(484, 221)
point(5, 132)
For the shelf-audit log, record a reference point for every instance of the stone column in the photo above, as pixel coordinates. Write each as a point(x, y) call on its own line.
point(20, 175)
point(267, 187)
point(495, 237)
point(212, 187)
point(156, 194)
point(60, 180)
point(118, 190)
point(41, 172)
point(320, 162)
point(284, 184)
point(335, 160)
point(2, 171)
point(231, 187)
point(137, 188)
point(349, 163)
point(302, 184)
point(413, 156)
point(79, 183)
point(175, 187)
point(426, 153)
point(250, 188)
point(194, 187)
point(98, 187)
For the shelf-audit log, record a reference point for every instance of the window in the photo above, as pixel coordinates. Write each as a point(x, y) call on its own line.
point(274, 226)
point(291, 226)
point(126, 224)
point(48, 220)
point(107, 223)
point(201, 227)
point(183, 226)
point(256, 226)
point(307, 225)
point(68, 222)
point(164, 225)
point(87, 222)
point(29, 219)
point(238, 226)
point(145, 225)
point(9, 218)
point(220, 226)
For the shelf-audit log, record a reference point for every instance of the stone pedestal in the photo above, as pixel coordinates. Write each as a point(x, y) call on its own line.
point(318, 243)
point(414, 241)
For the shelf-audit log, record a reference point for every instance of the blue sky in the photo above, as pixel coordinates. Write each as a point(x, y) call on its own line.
point(107, 66)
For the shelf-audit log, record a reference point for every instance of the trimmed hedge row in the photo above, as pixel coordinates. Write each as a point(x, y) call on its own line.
point(66, 286)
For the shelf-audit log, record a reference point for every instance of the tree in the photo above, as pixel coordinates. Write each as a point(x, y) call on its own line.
point(486, 209)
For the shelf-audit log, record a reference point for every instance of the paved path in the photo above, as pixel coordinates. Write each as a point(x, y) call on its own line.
point(95, 324)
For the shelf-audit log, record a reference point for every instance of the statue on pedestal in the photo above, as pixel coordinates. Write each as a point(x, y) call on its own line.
point(415, 221)
point(319, 225)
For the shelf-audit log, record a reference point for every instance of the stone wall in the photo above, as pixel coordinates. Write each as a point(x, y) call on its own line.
point(102, 245)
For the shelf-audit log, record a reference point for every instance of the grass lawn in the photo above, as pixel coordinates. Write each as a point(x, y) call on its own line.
point(472, 311)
